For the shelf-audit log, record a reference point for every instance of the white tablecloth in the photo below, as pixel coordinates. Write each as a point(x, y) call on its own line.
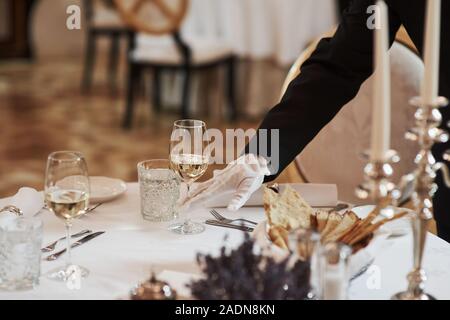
point(124, 255)
point(278, 29)
point(275, 28)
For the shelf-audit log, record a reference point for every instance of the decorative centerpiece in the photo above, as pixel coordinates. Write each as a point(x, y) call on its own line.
point(246, 274)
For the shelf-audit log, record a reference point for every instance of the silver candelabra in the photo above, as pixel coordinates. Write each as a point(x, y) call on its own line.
point(384, 192)
point(426, 133)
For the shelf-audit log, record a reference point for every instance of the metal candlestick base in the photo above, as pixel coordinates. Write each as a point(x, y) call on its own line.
point(406, 296)
point(416, 279)
point(377, 185)
point(426, 133)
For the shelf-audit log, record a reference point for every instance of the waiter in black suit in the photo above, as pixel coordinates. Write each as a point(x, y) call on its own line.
point(332, 77)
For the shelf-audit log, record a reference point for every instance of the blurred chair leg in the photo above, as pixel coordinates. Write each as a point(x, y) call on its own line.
point(231, 64)
point(113, 62)
point(186, 87)
point(132, 87)
point(157, 90)
point(89, 62)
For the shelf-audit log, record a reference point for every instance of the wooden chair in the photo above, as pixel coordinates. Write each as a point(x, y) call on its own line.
point(102, 20)
point(163, 46)
point(348, 135)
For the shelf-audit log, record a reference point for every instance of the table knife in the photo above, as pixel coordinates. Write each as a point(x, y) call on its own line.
point(228, 225)
point(74, 245)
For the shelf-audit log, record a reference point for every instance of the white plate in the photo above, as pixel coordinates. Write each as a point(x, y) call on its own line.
point(396, 228)
point(104, 189)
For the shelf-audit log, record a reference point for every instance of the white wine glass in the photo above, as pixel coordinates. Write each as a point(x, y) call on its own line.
point(189, 159)
point(67, 196)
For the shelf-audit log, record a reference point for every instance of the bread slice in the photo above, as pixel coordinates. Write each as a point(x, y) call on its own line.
point(322, 219)
point(269, 197)
point(347, 222)
point(287, 209)
point(279, 236)
point(334, 219)
point(313, 221)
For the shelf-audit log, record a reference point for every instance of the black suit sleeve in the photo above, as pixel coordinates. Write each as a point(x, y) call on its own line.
point(329, 79)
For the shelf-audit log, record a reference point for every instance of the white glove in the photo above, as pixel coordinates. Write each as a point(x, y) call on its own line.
point(242, 177)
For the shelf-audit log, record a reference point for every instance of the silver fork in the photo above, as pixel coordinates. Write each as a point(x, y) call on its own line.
point(89, 210)
point(221, 218)
point(52, 245)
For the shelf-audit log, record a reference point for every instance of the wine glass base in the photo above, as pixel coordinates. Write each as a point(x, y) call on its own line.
point(187, 228)
point(71, 273)
point(408, 296)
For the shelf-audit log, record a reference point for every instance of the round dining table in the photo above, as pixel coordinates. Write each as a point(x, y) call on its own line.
point(131, 248)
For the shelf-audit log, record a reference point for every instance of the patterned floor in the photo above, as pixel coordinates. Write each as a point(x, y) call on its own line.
point(42, 110)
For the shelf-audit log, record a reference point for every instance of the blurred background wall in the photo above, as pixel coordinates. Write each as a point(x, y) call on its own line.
point(50, 39)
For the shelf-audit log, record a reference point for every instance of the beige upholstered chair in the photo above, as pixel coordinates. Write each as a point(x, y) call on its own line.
point(334, 155)
point(169, 42)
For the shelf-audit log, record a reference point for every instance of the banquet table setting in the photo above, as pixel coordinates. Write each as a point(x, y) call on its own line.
point(131, 248)
point(240, 235)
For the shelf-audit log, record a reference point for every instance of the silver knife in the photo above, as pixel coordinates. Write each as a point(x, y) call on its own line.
point(78, 243)
point(228, 225)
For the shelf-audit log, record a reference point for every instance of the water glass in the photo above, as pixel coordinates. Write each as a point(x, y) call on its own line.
point(20, 253)
point(159, 190)
point(304, 245)
point(334, 275)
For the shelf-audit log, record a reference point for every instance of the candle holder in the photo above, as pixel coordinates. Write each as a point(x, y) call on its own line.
point(377, 185)
point(426, 134)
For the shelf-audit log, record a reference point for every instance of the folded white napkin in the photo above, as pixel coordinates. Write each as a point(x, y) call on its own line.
point(317, 195)
point(28, 200)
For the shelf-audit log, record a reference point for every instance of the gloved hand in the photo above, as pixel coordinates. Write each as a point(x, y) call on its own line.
point(242, 177)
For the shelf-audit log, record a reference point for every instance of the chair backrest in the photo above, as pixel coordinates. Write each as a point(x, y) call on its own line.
point(201, 23)
point(155, 17)
point(348, 135)
point(202, 20)
point(102, 14)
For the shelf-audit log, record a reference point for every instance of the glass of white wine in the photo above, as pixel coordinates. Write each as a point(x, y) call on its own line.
point(67, 196)
point(189, 159)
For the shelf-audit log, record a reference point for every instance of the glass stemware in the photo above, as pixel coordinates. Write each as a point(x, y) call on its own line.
point(189, 159)
point(67, 192)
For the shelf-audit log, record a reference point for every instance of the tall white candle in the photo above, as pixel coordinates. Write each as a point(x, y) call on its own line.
point(431, 55)
point(381, 119)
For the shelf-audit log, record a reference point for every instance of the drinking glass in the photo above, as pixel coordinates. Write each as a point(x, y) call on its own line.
point(334, 267)
point(67, 196)
point(20, 253)
point(159, 190)
point(305, 245)
point(189, 159)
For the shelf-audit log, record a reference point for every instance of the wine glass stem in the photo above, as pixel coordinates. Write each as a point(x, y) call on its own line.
point(188, 192)
point(187, 219)
point(68, 237)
